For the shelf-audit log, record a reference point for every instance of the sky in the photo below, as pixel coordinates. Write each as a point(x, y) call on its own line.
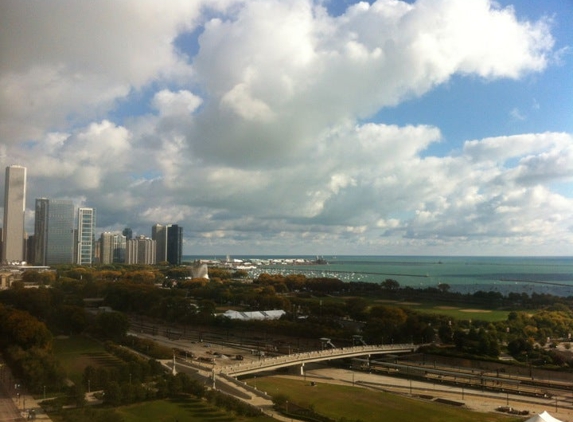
point(299, 127)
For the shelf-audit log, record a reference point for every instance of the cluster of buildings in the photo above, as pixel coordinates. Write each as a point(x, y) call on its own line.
point(60, 238)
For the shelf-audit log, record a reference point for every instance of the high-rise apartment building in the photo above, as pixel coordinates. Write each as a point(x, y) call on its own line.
point(174, 244)
point(54, 231)
point(86, 236)
point(140, 250)
point(14, 209)
point(112, 248)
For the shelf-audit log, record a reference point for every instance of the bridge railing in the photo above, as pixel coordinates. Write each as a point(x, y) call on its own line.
point(314, 356)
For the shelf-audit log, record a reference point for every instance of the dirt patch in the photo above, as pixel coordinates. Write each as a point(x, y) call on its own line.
point(480, 311)
point(395, 302)
point(447, 307)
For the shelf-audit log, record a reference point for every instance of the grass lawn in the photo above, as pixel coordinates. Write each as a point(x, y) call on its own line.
point(76, 352)
point(462, 312)
point(180, 410)
point(339, 401)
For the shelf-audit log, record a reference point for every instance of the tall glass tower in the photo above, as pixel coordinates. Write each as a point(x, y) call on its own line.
point(41, 231)
point(174, 244)
point(54, 234)
point(14, 209)
point(86, 236)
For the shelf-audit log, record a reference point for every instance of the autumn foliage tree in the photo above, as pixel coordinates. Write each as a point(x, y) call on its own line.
point(27, 347)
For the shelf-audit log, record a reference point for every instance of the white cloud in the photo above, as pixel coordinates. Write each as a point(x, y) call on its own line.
point(516, 114)
point(67, 60)
point(182, 103)
point(263, 136)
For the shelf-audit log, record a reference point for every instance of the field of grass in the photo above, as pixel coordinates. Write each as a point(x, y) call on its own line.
point(461, 313)
point(339, 401)
point(180, 410)
point(76, 352)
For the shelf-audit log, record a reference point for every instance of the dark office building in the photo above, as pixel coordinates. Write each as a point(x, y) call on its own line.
point(128, 233)
point(174, 244)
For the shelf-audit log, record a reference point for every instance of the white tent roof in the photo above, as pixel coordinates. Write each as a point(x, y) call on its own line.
point(543, 417)
point(274, 314)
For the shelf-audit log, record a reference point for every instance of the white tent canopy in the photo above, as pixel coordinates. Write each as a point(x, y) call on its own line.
point(543, 417)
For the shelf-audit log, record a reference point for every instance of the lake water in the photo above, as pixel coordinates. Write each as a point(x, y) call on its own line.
point(553, 275)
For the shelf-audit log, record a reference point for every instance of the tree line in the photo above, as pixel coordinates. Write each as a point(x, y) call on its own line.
point(315, 307)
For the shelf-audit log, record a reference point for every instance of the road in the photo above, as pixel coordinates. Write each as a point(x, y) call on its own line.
point(13, 406)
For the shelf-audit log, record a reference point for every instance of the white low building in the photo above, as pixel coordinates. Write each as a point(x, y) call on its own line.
point(254, 315)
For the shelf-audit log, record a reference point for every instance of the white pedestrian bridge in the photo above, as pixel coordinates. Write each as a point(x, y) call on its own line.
point(276, 362)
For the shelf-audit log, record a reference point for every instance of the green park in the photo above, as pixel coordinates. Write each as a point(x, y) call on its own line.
point(65, 338)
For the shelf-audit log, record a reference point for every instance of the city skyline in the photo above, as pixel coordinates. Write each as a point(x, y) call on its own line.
point(299, 127)
point(59, 237)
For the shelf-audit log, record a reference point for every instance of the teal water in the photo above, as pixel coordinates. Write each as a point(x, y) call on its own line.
point(552, 275)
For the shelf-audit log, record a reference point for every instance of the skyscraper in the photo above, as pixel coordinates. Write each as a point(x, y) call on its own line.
point(128, 233)
point(41, 231)
point(112, 248)
point(14, 209)
point(140, 250)
point(159, 234)
point(86, 233)
point(54, 231)
point(174, 244)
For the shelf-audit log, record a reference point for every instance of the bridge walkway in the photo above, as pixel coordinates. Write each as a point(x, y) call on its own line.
point(275, 362)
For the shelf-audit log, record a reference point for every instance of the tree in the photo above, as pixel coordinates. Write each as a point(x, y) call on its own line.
point(391, 315)
point(22, 329)
point(113, 325)
point(207, 307)
point(390, 284)
point(356, 308)
point(71, 319)
point(519, 346)
point(112, 394)
point(77, 395)
point(445, 333)
point(444, 287)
